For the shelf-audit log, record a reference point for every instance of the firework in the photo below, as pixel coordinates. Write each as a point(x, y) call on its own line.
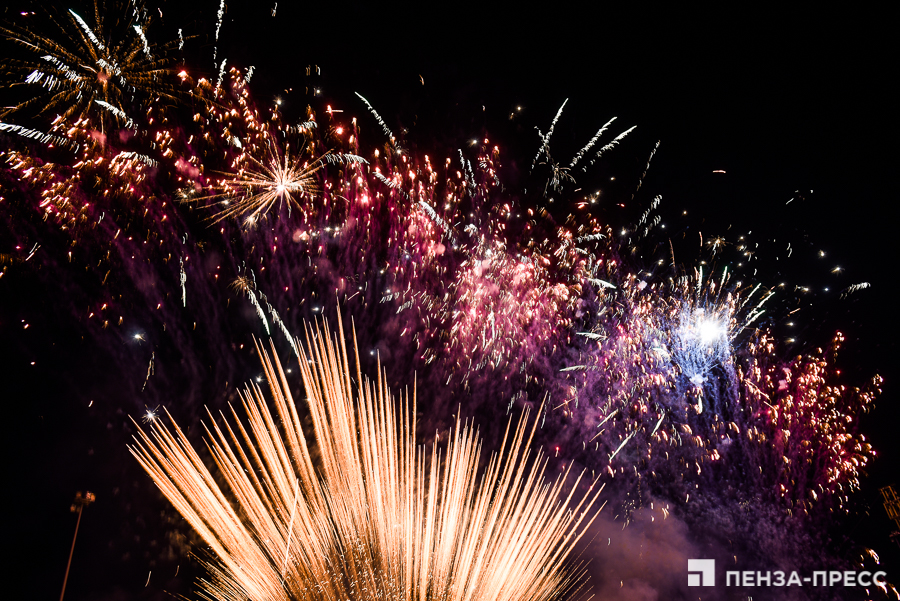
point(804, 422)
point(83, 69)
point(262, 173)
point(665, 377)
point(378, 517)
point(103, 182)
point(277, 180)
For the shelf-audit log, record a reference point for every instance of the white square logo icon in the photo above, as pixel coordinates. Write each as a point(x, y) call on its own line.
point(701, 572)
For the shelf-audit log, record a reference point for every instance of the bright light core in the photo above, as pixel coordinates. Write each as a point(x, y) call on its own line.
point(710, 330)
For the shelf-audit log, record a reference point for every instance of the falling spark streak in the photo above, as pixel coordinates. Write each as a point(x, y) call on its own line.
point(590, 144)
point(381, 517)
point(129, 122)
point(854, 288)
point(607, 417)
point(545, 139)
point(124, 156)
point(592, 335)
point(624, 442)
point(140, 31)
point(259, 311)
point(183, 277)
point(387, 130)
point(247, 285)
point(437, 219)
point(646, 167)
point(88, 31)
point(392, 184)
point(601, 283)
point(658, 423)
point(219, 16)
point(470, 175)
point(276, 319)
point(149, 370)
point(36, 135)
point(756, 312)
point(609, 146)
point(600, 425)
point(221, 73)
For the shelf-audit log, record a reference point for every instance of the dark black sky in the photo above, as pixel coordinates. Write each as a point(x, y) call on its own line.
point(783, 100)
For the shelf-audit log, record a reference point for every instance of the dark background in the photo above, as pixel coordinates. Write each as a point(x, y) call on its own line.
point(786, 100)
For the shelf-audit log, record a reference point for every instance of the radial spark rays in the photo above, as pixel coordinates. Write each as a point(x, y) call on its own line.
point(375, 516)
point(84, 68)
point(275, 180)
point(254, 190)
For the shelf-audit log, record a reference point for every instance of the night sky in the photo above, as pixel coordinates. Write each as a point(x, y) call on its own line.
point(790, 103)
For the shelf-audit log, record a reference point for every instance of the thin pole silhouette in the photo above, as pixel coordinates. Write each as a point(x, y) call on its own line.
point(80, 502)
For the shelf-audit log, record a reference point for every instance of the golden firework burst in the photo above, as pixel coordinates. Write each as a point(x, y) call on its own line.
point(90, 68)
point(242, 284)
point(275, 179)
point(368, 514)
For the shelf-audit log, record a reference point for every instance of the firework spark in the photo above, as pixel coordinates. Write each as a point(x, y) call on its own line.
point(664, 376)
point(275, 180)
point(89, 67)
point(381, 518)
point(150, 415)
